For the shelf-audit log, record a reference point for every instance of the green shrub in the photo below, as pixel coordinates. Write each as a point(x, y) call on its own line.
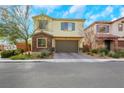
point(44, 53)
point(111, 53)
point(20, 57)
point(94, 51)
point(103, 50)
point(35, 55)
point(116, 55)
point(7, 53)
point(18, 51)
point(120, 53)
point(102, 54)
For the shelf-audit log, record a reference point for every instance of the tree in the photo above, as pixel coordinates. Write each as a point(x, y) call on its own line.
point(15, 22)
point(89, 38)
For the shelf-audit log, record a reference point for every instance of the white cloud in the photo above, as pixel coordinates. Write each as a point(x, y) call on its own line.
point(114, 19)
point(122, 12)
point(74, 9)
point(93, 17)
point(107, 11)
point(65, 13)
point(88, 14)
point(49, 8)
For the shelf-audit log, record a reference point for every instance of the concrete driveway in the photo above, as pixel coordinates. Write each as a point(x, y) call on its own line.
point(71, 56)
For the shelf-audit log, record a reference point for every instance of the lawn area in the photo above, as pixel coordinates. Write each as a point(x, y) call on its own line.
point(19, 55)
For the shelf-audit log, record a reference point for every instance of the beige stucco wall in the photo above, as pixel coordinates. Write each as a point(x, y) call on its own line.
point(37, 19)
point(115, 28)
point(58, 32)
point(54, 27)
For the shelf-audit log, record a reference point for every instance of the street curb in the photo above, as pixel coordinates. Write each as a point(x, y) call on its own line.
point(62, 60)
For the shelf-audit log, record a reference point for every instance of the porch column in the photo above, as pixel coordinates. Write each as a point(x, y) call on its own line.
point(80, 45)
point(53, 43)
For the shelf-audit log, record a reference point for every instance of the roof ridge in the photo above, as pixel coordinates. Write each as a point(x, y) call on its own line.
point(59, 18)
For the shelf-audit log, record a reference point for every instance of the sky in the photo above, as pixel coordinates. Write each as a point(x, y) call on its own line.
point(89, 12)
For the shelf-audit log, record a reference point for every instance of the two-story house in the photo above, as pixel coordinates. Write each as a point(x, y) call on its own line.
point(62, 35)
point(105, 34)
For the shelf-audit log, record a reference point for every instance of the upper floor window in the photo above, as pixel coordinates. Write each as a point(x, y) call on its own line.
point(43, 24)
point(102, 28)
point(68, 26)
point(120, 27)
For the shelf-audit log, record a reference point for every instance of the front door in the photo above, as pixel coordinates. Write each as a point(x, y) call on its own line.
point(107, 44)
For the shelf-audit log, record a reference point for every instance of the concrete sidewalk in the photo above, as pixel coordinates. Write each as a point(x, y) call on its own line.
point(62, 60)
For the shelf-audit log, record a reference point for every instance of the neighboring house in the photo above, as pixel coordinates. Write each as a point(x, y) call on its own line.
point(62, 35)
point(7, 47)
point(103, 34)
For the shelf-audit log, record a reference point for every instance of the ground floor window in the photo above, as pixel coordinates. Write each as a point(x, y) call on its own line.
point(42, 42)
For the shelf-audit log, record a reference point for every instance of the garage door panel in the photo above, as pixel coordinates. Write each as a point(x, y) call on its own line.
point(66, 46)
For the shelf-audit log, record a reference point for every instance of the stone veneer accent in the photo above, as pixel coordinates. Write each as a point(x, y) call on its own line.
point(40, 35)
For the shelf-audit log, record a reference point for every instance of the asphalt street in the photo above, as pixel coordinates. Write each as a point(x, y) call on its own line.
point(62, 75)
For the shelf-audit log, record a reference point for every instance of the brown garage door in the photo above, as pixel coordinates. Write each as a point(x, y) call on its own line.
point(66, 46)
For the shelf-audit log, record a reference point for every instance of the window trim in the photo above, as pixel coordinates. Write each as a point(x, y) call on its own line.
point(118, 26)
point(46, 25)
point(98, 27)
point(68, 26)
point(45, 41)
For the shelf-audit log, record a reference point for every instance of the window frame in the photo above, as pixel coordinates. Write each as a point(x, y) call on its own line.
point(40, 22)
point(119, 28)
point(45, 42)
point(105, 27)
point(71, 24)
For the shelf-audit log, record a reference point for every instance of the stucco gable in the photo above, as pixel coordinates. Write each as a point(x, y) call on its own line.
point(56, 19)
point(44, 33)
point(39, 17)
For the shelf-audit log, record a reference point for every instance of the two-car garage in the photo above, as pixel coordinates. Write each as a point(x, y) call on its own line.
point(66, 46)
